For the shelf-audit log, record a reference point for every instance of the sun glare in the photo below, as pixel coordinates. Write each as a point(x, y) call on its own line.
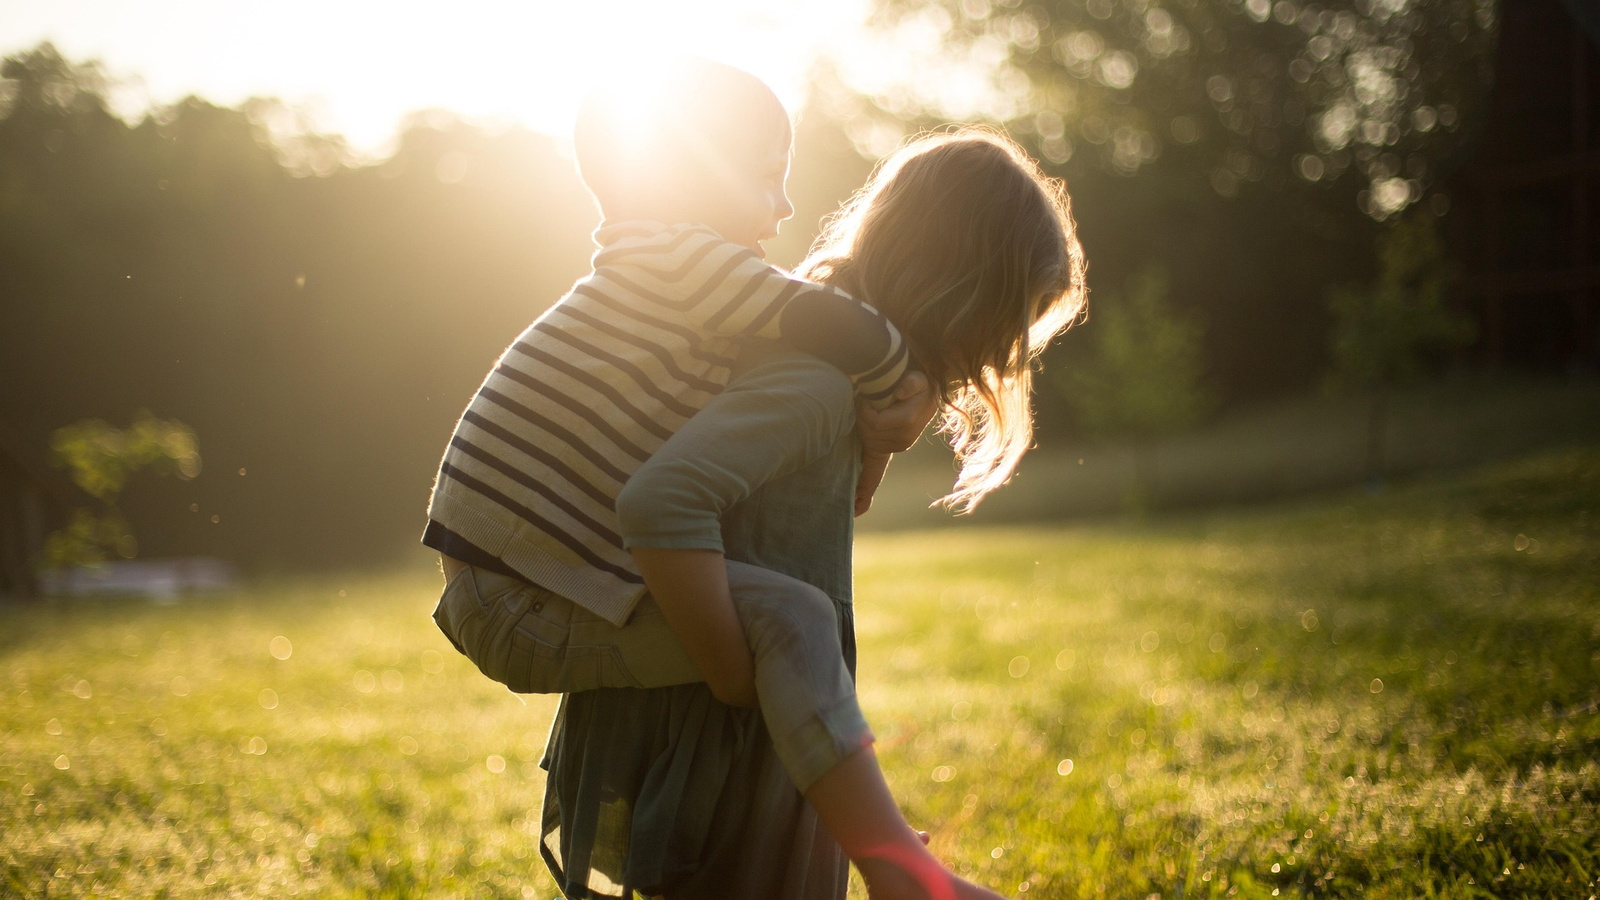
point(360, 67)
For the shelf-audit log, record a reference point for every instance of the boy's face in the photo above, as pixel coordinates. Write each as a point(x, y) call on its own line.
point(756, 200)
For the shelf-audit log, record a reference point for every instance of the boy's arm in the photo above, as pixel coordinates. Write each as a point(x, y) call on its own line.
point(848, 335)
point(713, 287)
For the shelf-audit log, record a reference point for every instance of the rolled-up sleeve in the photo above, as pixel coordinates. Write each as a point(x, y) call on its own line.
point(781, 412)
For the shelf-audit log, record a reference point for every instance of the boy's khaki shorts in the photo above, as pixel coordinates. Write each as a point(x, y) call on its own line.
point(535, 641)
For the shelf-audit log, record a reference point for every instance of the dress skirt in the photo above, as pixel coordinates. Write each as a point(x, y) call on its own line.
point(668, 792)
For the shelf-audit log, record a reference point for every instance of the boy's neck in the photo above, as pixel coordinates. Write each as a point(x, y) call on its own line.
point(669, 214)
point(658, 220)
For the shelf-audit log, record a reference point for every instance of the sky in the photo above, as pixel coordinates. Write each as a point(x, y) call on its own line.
point(359, 67)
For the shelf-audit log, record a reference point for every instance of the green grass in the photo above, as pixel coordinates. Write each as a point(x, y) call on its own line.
point(1294, 446)
point(1363, 697)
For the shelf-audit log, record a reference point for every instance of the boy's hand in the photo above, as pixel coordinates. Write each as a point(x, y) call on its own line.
point(897, 426)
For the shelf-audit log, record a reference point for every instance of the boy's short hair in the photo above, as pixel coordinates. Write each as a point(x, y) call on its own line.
point(692, 130)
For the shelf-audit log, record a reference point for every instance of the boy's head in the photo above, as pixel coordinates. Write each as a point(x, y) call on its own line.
point(698, 142)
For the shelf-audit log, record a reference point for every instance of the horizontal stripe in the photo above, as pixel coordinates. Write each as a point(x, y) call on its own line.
point(550, 461)
point(532, 518)
point(881, 384)
point(612, 234)
point(651, 347)
point(644, 382)
point(622, 308)
point(724, 274)
point(527, 480)
point(682, 305)
point(573, 405)
point(696, 256)
point(561, 434)
point(714, 242)
point(770, 311)
point(639, 416)
point(737, 302)
point(896, 357)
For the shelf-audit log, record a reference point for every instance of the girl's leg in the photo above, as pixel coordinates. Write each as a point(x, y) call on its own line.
point(809, 703)
point(855, 805)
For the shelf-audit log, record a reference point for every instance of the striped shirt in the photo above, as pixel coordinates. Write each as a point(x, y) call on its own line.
point(600, 381)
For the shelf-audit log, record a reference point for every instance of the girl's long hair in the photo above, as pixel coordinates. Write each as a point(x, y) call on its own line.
point(971, 251)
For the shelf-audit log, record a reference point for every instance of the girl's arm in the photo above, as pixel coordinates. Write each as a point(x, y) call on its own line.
point(691, 587)
point(775, 417)
point(888, 430)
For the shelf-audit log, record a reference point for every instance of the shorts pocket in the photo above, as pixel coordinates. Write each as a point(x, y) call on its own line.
point(459, 615)
point(478, 612)
point(521, 635)
point(537, 642)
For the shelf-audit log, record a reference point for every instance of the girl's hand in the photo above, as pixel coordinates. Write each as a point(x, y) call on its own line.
point(897, 426)
point(887, 431)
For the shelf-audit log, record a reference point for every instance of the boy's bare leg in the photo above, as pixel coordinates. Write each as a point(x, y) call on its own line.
point(855, 805)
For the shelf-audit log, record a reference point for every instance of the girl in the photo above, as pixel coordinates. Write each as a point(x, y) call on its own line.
point(967, 248)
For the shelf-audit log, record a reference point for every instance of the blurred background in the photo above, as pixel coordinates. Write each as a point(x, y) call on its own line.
point(1328, 243)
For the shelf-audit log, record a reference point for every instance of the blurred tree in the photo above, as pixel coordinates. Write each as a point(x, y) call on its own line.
point(1141, 379)
point(100, 458)
point(1282, 92)
point(1252, 146)
point(321, 321)
point(1381, 333)
point(42, 83)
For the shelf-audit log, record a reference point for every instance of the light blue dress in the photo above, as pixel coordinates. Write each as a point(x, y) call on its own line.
point(666, 790)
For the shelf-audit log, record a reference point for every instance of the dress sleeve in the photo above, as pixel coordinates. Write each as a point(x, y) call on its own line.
point(693, 277)
point(774, 418)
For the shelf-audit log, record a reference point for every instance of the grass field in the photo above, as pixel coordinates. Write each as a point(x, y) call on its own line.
point(1357, 697)
point(1297, 445)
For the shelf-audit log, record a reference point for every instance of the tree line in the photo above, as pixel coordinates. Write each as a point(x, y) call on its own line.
point(319, 323)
